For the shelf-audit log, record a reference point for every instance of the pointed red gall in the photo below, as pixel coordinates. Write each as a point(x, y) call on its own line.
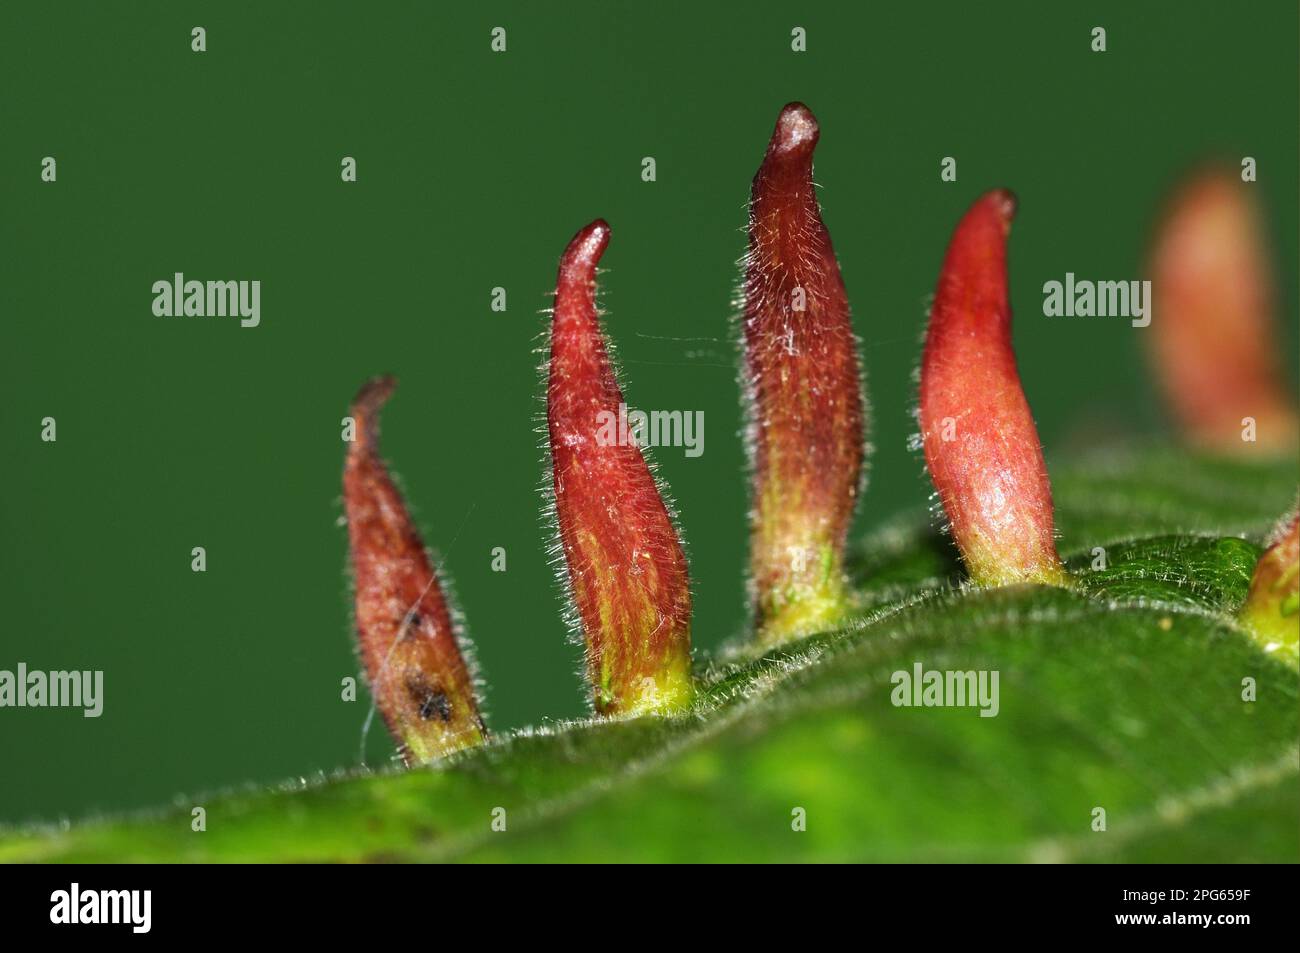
point(408, 640)
point(626, 571)
point(804, 394)
point(981, 445)
point(1213, 339)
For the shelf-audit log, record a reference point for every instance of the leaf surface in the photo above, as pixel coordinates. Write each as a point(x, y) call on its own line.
point(1123, 694)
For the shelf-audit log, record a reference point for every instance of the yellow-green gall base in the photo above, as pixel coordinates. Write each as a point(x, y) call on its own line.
point(420, 748)
point(1046, 575)
point(992, 562)
point(668, 691)
point(797, 610)
point(1272, 617)
point(1272, 610)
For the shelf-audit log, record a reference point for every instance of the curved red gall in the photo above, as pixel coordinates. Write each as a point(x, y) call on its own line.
point(407, 637)
point(981, 445)
point(627, 573)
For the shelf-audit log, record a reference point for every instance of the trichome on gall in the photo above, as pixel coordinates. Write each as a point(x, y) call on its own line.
point(803, 394)
point(408, 639)
point(626, 571)
point(981, 445)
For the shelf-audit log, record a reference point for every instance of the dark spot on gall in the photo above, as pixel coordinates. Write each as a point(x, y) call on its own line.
point(431, 701)
point(436, 704)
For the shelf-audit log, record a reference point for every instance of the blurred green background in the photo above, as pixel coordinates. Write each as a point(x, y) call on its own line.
point(474, 170)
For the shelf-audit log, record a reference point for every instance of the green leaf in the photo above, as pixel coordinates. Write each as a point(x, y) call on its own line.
point(1124, 694)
